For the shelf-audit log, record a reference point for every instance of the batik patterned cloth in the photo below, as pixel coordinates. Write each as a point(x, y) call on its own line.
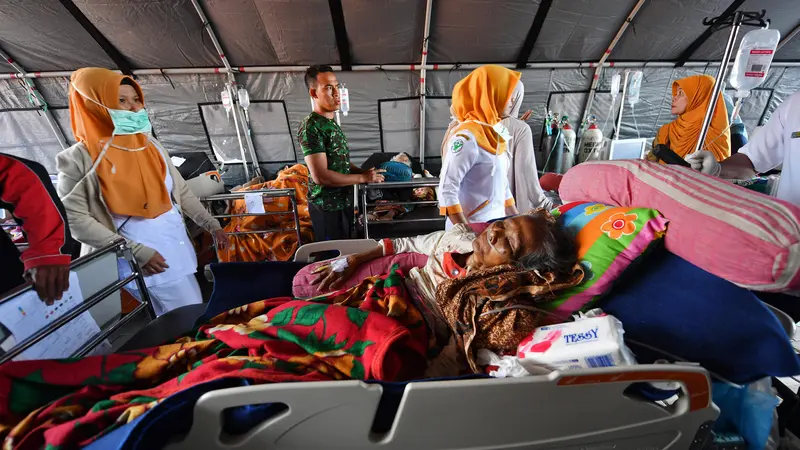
point(371, 331)
point(276, 245)
point(496, 308)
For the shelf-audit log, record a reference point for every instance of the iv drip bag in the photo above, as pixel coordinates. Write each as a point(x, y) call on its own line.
point(753, 60)
point(615, 80)
point(635, 86)
point(344, 101)
point(244, 98)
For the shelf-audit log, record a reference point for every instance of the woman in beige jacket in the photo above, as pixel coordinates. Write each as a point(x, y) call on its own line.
point(118, 182)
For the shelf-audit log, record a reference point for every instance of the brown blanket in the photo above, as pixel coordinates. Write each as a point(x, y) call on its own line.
point(496, 308)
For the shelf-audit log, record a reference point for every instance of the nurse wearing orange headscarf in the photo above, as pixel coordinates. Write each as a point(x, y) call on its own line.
point(118, 182)
point(690, 99)
point(473, 186)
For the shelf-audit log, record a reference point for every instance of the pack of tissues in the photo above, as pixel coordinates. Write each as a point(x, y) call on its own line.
point(591, 341)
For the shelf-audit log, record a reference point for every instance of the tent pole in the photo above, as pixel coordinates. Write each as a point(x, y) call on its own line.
point(390, 68)
point(422, 84)
point(38, 100)
point(788, 37)
point(596, 78)
point(238, 110)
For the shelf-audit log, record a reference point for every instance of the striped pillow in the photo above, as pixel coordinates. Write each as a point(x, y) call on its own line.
point(609, 240)
point(745, 237)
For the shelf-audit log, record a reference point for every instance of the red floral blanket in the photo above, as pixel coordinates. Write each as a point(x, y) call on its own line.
point(371, 331)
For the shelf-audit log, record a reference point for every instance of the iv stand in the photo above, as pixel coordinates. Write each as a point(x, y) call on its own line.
point(618, 125)
point(738, 19)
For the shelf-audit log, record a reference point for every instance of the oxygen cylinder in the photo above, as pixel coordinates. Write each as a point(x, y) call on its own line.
point(569, 144)
point(592, 145)
point(554, 156)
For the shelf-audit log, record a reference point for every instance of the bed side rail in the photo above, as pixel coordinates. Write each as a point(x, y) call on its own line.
point(98, 277)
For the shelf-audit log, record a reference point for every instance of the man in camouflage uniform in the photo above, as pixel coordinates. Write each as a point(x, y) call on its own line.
point(330, 200)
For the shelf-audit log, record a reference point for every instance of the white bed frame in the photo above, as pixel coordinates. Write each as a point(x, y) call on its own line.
point(581, 409)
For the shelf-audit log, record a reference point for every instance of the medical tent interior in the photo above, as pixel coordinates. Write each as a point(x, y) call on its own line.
point(399, 60)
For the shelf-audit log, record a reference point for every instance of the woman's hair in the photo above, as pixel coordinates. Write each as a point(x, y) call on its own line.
point(127, 82)
point(557, 252)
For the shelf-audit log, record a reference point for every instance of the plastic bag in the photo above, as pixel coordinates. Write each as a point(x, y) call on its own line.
point(747, 411)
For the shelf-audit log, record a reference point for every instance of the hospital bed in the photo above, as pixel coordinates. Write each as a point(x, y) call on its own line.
point(595, 408)
point(100, 284)
point(409, 225)
point(270, 194)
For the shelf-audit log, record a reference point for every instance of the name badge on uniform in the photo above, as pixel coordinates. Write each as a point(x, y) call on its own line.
point(502, 131)
point(796, 135)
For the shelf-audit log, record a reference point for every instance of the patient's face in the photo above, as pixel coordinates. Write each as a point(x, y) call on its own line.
point(504, 242)
point(679, 102)
point(403, 158)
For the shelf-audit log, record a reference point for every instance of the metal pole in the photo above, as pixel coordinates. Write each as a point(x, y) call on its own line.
point(141, 286)
point(364, 213)
point(621, 105)
point(293, 200)
point(238, 134)
point(38, 100)
point(239, 111)
point(723, 71)
point(422, 85)
point(596, 78)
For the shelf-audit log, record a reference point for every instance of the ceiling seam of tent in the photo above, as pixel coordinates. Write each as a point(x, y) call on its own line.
point(533, 33)
point(596, 78)
point(697, 43)
point(116, 56)
point(37, 99)
point(340, 33)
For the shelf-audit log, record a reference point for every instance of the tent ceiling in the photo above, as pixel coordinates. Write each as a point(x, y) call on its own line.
point(663, 29)
point(784, 16)
point(42, 36)
point(579, 30)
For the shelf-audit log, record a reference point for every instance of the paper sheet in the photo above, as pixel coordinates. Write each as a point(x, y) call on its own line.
point(27, 314)
point(177, 160)
point(254, 203)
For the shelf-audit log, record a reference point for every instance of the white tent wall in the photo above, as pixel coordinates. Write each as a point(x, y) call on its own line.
point(384, 109)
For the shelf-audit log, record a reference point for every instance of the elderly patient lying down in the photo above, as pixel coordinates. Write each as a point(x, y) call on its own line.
point(527, 254)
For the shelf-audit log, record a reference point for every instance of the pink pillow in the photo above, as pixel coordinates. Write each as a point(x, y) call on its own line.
point(302, 287)
point(740, 235)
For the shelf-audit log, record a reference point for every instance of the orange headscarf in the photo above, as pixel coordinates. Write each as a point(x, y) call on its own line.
point(682, 133)
point(132, 171)
point(483, 95)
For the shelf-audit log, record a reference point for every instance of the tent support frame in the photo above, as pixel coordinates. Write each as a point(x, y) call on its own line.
point(392, 68)
point(423, 88)
point(596, 78)
point(38, 100)
point(238, 110)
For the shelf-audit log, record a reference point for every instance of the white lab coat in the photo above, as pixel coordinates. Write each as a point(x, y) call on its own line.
point(778, 142)
point(166, 234)
point(473, 181)
point(523, 176)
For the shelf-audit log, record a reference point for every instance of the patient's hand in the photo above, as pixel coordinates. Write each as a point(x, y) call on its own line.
point(329, 279)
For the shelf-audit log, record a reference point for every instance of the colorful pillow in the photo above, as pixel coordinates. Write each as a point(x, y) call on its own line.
point(609, 239)
point(302, 286)
point(739, 235)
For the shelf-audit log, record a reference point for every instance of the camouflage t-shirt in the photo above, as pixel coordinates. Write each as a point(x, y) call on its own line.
point(318, 134)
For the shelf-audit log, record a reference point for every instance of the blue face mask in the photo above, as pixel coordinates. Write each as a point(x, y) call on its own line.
point(129, 122)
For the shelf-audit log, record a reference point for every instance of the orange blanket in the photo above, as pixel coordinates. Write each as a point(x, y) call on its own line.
point(272, 246)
